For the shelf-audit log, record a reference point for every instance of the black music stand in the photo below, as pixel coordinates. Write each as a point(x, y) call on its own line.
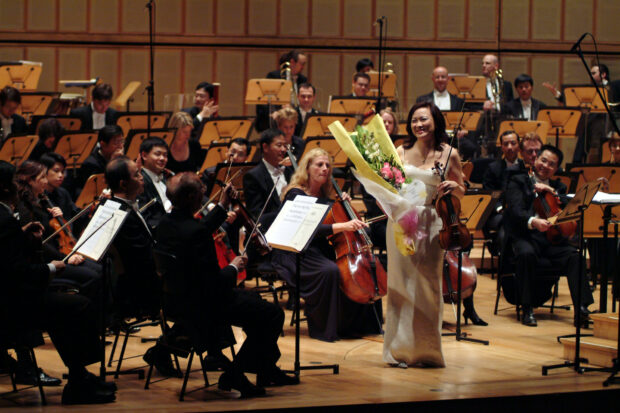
point(574, 211)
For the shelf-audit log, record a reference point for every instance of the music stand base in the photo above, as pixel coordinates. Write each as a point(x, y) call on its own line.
point(568, 364)
point(463, 337)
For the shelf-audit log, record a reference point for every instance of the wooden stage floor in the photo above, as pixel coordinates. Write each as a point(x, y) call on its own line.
point(503, 372)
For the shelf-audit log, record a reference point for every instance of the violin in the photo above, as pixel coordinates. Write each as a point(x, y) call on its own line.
point(66, 240)
point(453, 235)
point(257, 238)
point(469, 277)
point(546, 205)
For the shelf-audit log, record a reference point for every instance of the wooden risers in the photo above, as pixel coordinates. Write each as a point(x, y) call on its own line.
point(601, 349)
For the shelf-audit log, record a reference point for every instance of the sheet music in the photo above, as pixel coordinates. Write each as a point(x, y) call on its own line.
point(95, 246)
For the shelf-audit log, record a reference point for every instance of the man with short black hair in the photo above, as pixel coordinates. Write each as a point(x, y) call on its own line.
point(525, 106)
point(99, 113)
point(360, 85)
point(204, 106)
point(364, 65)
point(10, 122)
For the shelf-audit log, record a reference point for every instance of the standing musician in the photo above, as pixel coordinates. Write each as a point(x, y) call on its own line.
point(331, 315)
point(154, 157)
point(27, 303)
point(528, 240)
point(208, 301)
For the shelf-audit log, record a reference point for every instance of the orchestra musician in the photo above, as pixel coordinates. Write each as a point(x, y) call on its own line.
point(204, 106)
point(525, 106)
point(305, 97)
point(364, 65)
point(185, 154)
point(360, 85)
point(528, 240)
point(26, 302)
point(154, 157)
point(10, 122)
point(50, 131)
point(331, 315)
point(286, 121)
point(99, 113)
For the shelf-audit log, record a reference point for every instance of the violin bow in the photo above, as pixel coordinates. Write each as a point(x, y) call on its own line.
point(247, 242)
point(69, 222)
point(202, 208)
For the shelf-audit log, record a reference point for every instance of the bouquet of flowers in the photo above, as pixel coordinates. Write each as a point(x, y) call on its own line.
point(379, 168)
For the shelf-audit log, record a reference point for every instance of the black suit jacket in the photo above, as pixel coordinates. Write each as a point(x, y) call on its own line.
point(85, 113)
point(496, 176)
point(515, 108)
point(456, 103)
point(520, 204)
point(155, 212)
point(257, 185)
point(507, 97)
point(18, 127)
point(94, 164)
point(299, 128)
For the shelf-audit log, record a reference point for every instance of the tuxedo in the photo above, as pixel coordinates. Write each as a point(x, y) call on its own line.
point(18, 127)
point(507, 96)
point(532, 249)
point(85, 113)
point(155, 212)
point(257, 185)
point(456, 103)
point(205, 299)
point(515, 108)
point(301, 123)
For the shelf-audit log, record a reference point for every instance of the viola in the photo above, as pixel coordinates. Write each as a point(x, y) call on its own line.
point(66, 240)
point(469, 277)
point(453, 235)
point(251, 227)
point(225, 254)
point(546, 205)
point(362, 277)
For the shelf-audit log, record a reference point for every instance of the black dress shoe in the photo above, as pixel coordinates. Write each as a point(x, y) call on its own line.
point(162, 362)
point(216, 362)
point(473, 316)
point(86, 391)
point(275, 377)
point(585, 317)
point(100, 384)
point(528, 317)
point(28, 375)
point(229, 381)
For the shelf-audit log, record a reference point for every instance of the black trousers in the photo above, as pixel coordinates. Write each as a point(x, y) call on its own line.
point(564, 257)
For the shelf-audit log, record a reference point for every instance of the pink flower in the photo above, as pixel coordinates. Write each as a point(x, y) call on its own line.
point(409, 222)
point(398, 177)
point(386, 172)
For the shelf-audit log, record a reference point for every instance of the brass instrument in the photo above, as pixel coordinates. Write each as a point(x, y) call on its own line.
point(497, 87)
point(285, 73)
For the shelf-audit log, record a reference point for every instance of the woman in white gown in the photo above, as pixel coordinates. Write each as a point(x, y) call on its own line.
point(415, 303)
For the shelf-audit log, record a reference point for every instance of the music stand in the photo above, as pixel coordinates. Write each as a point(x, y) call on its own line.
point(216, 153)
point(351, 105)
point(476, 207)
point(235, 176)
point(330, 145)
point(76, 147)
point(469, 88)
point(574, 211)
point(388, 84)
point(126, 96)
point(139, 120)
point(540, 127)
point(136, 136)
point(470, 119)
point(562, 122)
point(17, 149)
point(592, 172)
point(69, 123)
point(318, 124)
point(225, 129)
point(22, 74)
point(585, 96)
point(36, 103)
point(91, 191)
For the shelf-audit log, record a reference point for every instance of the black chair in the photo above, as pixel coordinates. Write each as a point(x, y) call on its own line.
point(22, 339)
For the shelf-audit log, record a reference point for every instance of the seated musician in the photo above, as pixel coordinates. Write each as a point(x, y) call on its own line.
point(361, 84)
point(529, 149)
point(209, 301)
point(305, 96)
point(286, 120)
point(50, 130)
point(525, 106)
point(31, 179)
point(364, 65)
point(185, 154)
point(99, 113)
point(154, 157)
point(331, 315)
point(204, 106)
point(26, 303)
point(528, 240)
point(111, 145)
point(614, 149)
point(10, 122)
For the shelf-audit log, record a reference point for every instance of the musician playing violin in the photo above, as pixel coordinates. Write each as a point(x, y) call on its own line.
point(528, 240)
point(331, 315)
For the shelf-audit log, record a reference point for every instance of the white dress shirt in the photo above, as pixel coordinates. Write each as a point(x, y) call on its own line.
point(277, 175)
point(490, 93)
point(98, 118)
point(442, 99)
point(6, 126)
point(160, 186)
point(526, 106)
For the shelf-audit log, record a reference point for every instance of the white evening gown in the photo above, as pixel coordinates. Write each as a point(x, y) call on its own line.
point(414, 300)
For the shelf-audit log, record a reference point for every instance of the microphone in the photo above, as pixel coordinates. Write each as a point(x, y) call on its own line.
point(576, 45)
point(379, 20)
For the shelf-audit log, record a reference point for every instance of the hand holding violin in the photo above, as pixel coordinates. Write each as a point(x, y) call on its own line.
point(55, 212)
point(539, 187)
point(229, 193)
point(34, 228)
point(541, 225)
point(447, 187)
point(240, 262)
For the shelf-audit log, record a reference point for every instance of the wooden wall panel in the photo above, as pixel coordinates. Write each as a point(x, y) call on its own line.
point(47, 56)
point(199, 17)
point(167, 16)
point(134, 66)
point(41, 15)
point(454, 64)
point(515, 19)
point(357, 18)
point(167, 75)
point(474, 64)
point(419, 68)
point(104, 17)
point(451, 25)
point(398, 65)
point(607, 13)
point(262, 17)
point(261, 63)
point(104, 64)
point(72, 15)
point(135, 17)
point(578, 16)
point(11, 14)
point(11, 53)
point(546, 20)
point(198, 68)
point(513, 67)
point(545, 69)
point(71, 66)
point(324, 80)
point(421, 19)
point(294, 17)
point(394, 11)
point(230, 73)
point(230, 18)
point(482, 19)
point(326, 19)
point(348, 68)
point(574, 71)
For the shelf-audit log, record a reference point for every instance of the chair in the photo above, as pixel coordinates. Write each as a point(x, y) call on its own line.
point(21, 339)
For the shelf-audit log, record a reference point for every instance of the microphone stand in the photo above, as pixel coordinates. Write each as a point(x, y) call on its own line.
point(150, 89)
point(381, 52)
